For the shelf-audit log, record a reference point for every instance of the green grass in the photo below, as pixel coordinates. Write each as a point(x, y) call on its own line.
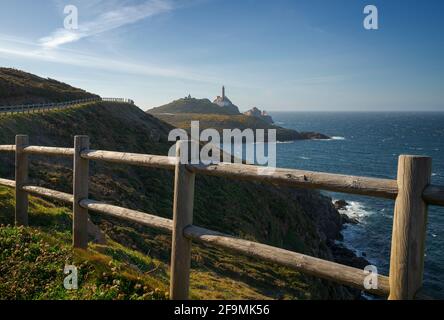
point(33, 260)
point(33, 263)
point(133, 264)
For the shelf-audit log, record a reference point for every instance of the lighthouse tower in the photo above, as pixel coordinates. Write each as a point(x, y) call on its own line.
point(224, 102)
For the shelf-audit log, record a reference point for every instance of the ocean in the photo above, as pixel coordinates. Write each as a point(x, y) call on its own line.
point(369, 144)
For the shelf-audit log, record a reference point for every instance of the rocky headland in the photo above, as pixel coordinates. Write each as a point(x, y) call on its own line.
point(223, 114)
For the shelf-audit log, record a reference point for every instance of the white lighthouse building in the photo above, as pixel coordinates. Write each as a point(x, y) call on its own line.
point(223, 101)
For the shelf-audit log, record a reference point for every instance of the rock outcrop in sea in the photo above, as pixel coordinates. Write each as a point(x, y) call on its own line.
point(263, 115)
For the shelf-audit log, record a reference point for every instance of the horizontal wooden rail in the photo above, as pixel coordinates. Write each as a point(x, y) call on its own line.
point(143, 160)
point(49, 151)
point(382, 188)
point(434, 195)
point(7, 183)
point(7, 148)
point(129, 215)
point(48, 193)
point(317, 267)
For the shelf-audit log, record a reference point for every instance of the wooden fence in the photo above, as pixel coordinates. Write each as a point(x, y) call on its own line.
point(412, 193)
point(33, 108)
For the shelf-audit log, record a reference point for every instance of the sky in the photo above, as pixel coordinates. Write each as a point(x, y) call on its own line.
point(280, 55)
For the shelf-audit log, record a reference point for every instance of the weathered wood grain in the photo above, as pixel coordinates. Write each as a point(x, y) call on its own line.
point(7, 183)
point(128, 215)
point(7, 148)
point(50, 151)
point(143, 160)
point(383, 188)
point(50, 194)
point(434, 195)
point(21, 179)
point(182, 217)
point(80, 190)
point(409, 227)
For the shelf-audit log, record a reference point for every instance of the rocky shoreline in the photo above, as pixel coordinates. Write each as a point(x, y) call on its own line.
point(341, 253)
point(330, 223)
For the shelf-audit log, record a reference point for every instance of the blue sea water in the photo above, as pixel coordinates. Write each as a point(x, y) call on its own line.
point(369, 144)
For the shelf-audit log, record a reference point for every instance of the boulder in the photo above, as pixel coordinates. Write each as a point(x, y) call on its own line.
point(341, 205)
point(347, 220)
point(314, 136)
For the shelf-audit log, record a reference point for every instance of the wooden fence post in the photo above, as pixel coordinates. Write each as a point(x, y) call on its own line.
point(183, 217)
point(21, 179)
point(80, 190)
point(409, 227)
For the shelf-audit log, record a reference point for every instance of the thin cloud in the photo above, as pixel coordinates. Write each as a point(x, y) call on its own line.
point(107, 21)
point(30, 51)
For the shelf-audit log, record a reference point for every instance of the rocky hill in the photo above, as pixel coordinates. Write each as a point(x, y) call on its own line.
point(223, 114)
point(18, 87)
point(242, 122)
point(192, 105)
point(255, 112)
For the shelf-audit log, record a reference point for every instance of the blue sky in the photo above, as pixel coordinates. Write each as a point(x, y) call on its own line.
point(290, 55)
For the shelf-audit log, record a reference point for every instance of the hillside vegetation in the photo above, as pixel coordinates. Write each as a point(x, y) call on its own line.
point(180, 113)
point(304, 221)
point(18, 87)
point(192, 105)
point(33, 260)
point(240, 121)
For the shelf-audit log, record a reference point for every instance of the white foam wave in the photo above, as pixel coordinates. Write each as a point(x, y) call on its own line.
point(356, 210)
point(277, 142)
point(334, 138)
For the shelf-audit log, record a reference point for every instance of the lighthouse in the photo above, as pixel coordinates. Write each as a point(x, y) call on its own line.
point(224, 102)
